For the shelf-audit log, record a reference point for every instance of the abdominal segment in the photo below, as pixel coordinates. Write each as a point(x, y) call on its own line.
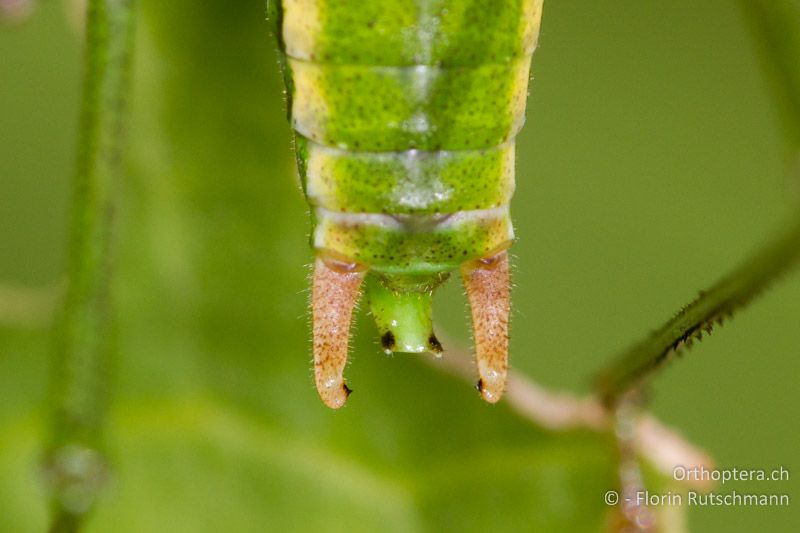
point(405, 115)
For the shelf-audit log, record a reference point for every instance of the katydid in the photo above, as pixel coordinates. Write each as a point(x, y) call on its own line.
point(405, 115)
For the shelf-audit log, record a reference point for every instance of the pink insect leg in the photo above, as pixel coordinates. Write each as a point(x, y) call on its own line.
point(336, 287)
point(487, 284)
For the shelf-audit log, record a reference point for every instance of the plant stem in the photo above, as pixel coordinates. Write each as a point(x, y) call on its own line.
point(710, 308)
point(777, 25)
point(84, 346)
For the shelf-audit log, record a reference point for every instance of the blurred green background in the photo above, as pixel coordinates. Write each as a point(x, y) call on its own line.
point(651, 162)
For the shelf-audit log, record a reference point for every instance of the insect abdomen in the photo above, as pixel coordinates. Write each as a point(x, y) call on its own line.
point(405, 114)
point(410, 211)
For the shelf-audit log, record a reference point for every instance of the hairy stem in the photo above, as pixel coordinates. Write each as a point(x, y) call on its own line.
point(711, 307)
point(84, 346)
point(557, 411)
point(632, 516)
point(777, 25)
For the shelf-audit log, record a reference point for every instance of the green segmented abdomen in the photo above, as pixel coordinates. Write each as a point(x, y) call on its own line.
point(405, 115)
